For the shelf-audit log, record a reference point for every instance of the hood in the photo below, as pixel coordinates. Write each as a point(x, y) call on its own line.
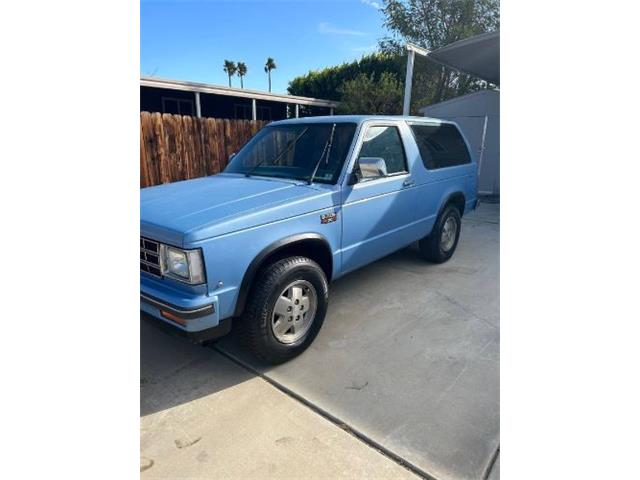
point(192, 210)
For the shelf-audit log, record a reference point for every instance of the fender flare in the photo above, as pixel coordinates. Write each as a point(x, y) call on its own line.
point(448, 197)
point(257, 262)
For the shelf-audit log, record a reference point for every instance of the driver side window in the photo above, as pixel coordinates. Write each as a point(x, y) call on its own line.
point(382, 147)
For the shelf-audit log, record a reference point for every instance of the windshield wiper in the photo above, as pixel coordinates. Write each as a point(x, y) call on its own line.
point(285, 150)
point(327, 149)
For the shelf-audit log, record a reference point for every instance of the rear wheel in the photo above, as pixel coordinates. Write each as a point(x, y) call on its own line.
point(439, 245)
point(286, 309)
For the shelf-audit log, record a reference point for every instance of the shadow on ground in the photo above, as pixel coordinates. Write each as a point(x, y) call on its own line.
point(174, 371)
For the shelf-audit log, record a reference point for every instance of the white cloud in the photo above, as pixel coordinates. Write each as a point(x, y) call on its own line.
point(375, 5)
point(326, 28)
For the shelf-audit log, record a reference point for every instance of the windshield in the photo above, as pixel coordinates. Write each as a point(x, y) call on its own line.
point(294, 151)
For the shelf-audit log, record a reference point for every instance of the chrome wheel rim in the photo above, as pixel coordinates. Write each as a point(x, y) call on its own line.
point(294, 311)
point(448, 236)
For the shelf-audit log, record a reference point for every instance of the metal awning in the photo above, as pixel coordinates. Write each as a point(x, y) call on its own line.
point(233, 92)
point(478, 56)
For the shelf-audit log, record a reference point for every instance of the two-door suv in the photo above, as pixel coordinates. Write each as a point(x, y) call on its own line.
point(304, 202)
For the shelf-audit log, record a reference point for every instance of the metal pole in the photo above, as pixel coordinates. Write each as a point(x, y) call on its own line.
point(297, 110)
point(254, 109)
point(482, 145)
point(412, 50)
point(331, 111)
point(407, 82)
point(198, 111)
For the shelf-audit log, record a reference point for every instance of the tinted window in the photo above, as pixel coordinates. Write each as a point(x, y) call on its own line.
point(440, 145)
point(385, 143)
point(177, 106)
point(170, 105)
point(186, 107)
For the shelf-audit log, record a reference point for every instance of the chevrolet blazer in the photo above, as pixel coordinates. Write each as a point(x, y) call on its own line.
point(304, 202)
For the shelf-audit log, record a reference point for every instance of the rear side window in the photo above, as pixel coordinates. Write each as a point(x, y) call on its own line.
point(440, 145)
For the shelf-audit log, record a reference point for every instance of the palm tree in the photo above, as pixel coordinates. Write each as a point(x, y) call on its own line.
point(270, 65)
point(242, 71)
point(230, 68)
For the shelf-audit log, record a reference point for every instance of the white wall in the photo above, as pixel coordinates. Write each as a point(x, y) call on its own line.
point(469, 112)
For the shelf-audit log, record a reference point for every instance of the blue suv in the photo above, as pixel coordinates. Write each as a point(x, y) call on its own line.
point(304, 202)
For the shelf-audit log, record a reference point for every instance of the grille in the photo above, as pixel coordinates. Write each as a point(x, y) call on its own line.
point(150, 256)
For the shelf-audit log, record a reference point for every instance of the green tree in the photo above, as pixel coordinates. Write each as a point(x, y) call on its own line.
point(327, 82)
point(428, 23)
point(433, 24)
point(270, 65)
point(366, 95)
point(230, 68)
point(242, 71)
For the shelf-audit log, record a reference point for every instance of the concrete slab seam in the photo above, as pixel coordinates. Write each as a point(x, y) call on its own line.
point(331, 418)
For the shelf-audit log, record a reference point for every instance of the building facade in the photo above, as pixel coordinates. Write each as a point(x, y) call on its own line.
point(204, 100)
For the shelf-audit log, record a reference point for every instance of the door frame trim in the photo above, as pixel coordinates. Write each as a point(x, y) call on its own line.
point(358, 147)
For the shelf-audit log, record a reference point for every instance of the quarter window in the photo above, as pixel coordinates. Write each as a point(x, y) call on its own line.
point(384, 142)
point(440, 145)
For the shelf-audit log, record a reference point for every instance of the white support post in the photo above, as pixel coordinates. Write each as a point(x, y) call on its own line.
point(198, 111)
point(412, 50)
point(297, 110)
point(331, 111)
point(254, 109)
point(407, 83)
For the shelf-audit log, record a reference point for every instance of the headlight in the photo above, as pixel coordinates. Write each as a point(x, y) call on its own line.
point(183, 265)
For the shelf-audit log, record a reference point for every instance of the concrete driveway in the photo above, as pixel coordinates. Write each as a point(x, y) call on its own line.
point(403, 380)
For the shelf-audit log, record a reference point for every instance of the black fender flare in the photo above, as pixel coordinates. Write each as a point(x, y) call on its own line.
point(257, 262)
point(449, 198)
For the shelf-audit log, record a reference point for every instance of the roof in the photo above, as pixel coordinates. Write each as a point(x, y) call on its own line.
point(233, 92)
point(356, 119)
point(482, 98)
point(478, 56)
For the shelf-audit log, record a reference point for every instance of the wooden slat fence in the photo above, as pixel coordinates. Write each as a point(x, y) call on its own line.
point(176, 147)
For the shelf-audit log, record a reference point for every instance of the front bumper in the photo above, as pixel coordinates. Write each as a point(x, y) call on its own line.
point(198, 323)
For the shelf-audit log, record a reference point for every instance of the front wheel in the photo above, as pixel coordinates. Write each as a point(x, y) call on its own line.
point(439, 245)
point(286, 309)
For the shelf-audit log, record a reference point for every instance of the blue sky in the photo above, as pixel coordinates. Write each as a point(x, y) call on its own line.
point(189, 40)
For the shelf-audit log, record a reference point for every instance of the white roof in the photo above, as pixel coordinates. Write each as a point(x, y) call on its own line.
point(233, 92)
point(478, 56)
point(482, 102)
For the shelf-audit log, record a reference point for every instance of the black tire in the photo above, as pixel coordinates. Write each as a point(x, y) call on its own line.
point(431, 247)
point(255, 326)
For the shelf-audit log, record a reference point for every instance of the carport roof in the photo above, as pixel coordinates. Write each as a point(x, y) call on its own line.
point(478, 56)
point(233, 92)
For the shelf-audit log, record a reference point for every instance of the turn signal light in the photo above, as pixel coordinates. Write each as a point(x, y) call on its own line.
point(173, 318)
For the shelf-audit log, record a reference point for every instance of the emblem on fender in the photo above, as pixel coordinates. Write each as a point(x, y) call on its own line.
point(328, 217)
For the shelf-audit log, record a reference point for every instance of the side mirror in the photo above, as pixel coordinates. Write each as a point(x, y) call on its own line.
point(372, 167)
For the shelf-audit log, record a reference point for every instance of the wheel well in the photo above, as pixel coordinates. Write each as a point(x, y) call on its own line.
point(313, 247)
point(456, 199)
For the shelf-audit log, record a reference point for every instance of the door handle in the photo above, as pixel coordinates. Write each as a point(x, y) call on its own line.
point(408, 183)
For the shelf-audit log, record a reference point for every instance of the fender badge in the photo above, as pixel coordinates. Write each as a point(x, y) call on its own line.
point(328, 217)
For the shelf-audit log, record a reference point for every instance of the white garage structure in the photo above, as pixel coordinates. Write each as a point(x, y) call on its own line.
point(478, 115)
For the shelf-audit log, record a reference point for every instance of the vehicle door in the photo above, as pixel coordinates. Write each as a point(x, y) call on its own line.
point(379, 211)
